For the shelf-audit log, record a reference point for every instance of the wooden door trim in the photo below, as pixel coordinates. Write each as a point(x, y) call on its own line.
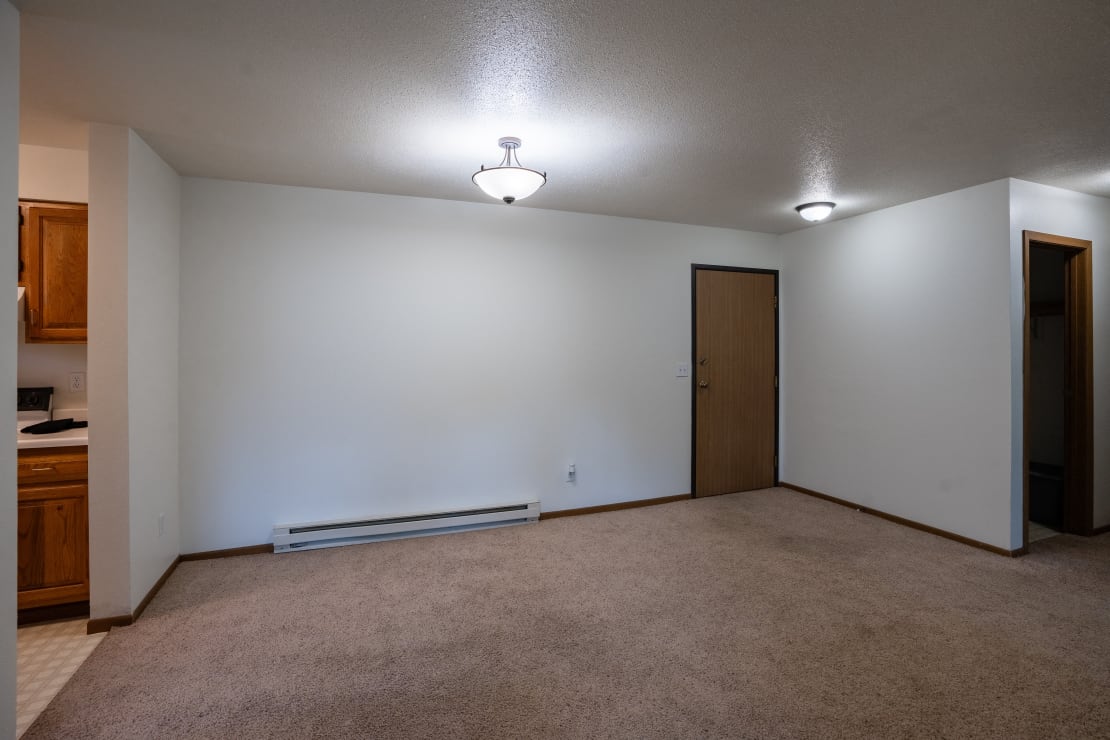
point(1079, 475)
point(693, 362)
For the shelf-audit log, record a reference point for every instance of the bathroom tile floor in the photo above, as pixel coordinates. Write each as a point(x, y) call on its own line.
point(46, 656)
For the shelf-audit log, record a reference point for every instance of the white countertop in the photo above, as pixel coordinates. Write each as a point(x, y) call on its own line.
point(68, 438)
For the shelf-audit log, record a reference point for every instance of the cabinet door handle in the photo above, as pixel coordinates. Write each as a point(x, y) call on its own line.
point(42, 470)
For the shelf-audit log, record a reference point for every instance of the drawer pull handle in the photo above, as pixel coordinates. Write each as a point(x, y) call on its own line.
point(42, 470)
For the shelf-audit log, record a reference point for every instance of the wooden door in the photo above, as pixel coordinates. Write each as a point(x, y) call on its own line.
point(54, 254)
point(735, 380)
point(53, 545)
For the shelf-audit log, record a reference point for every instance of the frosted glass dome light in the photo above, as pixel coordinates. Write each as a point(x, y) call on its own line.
point(509, 181)
point(815, 211)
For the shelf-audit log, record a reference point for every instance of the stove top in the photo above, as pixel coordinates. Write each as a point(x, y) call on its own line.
point(33, 406)
point(35, 399)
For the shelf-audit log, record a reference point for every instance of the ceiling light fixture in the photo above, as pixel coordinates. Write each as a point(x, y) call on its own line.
point(509, 181)
point(815, 211)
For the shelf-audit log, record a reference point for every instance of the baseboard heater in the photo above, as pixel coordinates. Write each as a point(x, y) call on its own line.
point(313, 535)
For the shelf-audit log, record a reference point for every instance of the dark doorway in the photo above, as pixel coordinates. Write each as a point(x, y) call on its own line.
point(1058, 389)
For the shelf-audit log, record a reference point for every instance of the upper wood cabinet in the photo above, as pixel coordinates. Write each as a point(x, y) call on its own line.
point(54, 269)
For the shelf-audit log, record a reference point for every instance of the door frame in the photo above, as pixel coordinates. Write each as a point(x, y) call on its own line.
point(694, 267)
point(1079, 419)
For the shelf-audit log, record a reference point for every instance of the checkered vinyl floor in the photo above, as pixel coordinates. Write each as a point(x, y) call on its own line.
point(47, 655)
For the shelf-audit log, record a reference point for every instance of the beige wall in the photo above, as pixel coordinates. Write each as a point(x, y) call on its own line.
point(109, 502)
point(9, 230)
point(51, 173)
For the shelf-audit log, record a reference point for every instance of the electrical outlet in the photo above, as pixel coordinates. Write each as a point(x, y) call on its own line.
point(161, 524)
point(76, 382)
point(572, 474)
point(683, 370)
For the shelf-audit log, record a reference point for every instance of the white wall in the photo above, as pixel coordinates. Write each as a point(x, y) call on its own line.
point(347, 354)
point(9, 236)
point(1066, 213)
point(153, 236)
point(109, 469)
point(51, 173)
point(134, 234)
point(896, 361)
point(48, 173)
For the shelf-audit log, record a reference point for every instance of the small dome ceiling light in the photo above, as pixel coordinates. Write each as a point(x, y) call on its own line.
point(509, 181)
point(815, 211)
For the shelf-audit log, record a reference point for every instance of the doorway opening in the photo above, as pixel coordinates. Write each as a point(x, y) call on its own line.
point(1058, 387)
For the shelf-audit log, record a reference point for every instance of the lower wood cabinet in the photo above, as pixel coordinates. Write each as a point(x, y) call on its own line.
point(53, 561)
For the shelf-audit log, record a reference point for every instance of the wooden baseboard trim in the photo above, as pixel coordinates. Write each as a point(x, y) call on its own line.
point(1100, 530)
point(155, 589)
point(907, 522)
point(231, 552)
point(614, 507)
point(103, 624)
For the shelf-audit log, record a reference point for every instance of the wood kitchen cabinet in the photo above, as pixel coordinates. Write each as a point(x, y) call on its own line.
point(53, 524)
point(54, 270)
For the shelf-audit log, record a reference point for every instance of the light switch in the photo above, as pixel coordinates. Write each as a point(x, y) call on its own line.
point(683, 370)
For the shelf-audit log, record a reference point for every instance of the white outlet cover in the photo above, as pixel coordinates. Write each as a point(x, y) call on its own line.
point(683, 370)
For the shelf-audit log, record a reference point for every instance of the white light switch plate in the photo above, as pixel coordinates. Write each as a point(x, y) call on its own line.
point(683, 370)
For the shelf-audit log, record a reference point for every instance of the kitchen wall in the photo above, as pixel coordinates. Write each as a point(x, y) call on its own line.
point(9, 230)
point(347, 354)
point(1051, 210)
point(896, 361)
point(134, 231)
point(49, 173)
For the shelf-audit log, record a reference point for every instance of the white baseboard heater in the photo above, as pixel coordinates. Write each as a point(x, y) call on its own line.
point(313, 535)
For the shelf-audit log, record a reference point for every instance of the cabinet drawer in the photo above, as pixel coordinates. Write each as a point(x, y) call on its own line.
point(50, 466)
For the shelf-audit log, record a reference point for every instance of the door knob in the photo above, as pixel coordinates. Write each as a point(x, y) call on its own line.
point(703, 361)
point(703, 384)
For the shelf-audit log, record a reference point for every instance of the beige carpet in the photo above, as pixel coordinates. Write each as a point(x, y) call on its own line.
point(767, 614)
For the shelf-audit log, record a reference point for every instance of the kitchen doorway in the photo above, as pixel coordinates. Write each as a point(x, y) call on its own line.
point(735, 388)
point(1058, 387)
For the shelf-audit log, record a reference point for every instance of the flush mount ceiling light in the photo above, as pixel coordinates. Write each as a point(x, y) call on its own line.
point(509, 181)
point(815, 211)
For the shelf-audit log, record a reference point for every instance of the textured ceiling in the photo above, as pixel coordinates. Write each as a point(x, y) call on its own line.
point(721, 113)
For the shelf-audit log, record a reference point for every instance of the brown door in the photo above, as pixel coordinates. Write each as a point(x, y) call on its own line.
point(735, 395)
